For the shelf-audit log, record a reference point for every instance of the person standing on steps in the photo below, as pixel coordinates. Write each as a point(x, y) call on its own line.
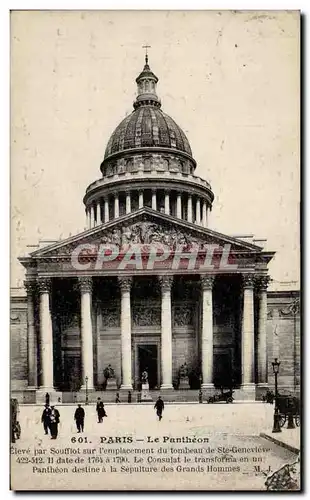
point(47, 399)
point(159, 406)
point(79, 417)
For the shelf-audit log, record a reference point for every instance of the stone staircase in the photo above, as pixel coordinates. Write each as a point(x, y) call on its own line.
point(189, 396)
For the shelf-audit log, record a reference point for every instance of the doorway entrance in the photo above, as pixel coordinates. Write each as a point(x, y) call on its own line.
point(222, 370)
point(147, 360)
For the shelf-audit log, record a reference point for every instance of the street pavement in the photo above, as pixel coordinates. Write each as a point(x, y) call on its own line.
point(219, 432)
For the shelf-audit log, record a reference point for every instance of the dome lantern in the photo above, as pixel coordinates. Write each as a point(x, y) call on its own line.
point(146, 87)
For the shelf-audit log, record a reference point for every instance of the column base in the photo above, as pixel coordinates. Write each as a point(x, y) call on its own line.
point(126, 387)
point(89, 388)
point(166, 387)
point(208, 390)
point(207, 386)
point(45, 389)
point(248, 391)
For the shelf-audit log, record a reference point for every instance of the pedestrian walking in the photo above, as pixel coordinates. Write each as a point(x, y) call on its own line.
point(54, 421)
point(100, 411)
point(79, 417)
point(129, 397)
point(45, 419)
point(117, 399)
point(47, 399)
point(159, 406)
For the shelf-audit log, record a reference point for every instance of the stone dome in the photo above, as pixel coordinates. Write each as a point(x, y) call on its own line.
point(146, 127)
point(148, 162)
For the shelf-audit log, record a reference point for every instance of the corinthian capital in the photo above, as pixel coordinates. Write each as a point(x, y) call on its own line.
point(263, 282)
point(206, 281)
point(125, 283)
point(30, 286)
point(85, 284)
point(248, 280)
point(165, 282)
point(44, 285)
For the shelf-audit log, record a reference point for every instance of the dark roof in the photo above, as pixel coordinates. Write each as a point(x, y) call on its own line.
point(147, 126)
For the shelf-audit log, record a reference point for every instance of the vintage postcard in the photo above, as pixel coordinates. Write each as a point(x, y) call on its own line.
point(155, 320)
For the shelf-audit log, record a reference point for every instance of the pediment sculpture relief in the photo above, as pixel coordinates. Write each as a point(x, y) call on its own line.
point(147, 233)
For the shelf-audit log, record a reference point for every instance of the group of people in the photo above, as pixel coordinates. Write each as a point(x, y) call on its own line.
point(51, 416)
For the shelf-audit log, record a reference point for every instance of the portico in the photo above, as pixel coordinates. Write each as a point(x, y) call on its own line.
point(88, 319)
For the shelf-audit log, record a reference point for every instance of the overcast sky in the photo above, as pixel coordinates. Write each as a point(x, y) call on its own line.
point(229, 79)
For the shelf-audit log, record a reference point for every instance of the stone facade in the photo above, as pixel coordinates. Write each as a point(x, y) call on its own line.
point(283, 329)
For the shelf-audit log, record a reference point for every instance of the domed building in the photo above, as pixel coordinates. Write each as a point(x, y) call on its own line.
point(148, 287)
point(148, 162)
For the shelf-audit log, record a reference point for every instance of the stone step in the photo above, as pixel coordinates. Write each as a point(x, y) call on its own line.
point(109, 396)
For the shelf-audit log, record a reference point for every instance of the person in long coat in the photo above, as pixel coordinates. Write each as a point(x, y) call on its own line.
point(79, 416)
point(159, 406)
point(100, 411)
point(54, 421)
point(45, 419)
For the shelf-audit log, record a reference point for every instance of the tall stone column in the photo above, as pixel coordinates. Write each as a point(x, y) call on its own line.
point(198, 221)
point(204, 214)
point(31, 336)
point(179, 206)
point(98, 214)
point(262, 365)
point(141, 201)
point(87, 215)
point(46, 336)
point(167, 203)
point(248, 332)
point(207, 332)
point(92, 216)
point(154, 200)
point(128, 203)
point(106, 210)
point(190, 208)
point(166, 332)
point(85, 284)
point(125, 286)
point(116, 206)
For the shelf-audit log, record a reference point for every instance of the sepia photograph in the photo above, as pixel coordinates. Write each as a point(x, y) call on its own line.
point(155, 250)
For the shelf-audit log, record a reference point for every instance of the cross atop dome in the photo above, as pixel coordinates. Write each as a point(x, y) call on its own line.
point(146, 54)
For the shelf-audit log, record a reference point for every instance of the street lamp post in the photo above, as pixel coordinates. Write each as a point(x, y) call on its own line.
point(86, 387)
point(276, 418)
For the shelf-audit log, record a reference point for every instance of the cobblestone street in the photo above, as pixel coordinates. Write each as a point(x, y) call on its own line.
point(223, 431)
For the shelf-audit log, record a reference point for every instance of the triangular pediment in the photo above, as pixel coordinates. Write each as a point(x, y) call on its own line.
point(146, 227)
